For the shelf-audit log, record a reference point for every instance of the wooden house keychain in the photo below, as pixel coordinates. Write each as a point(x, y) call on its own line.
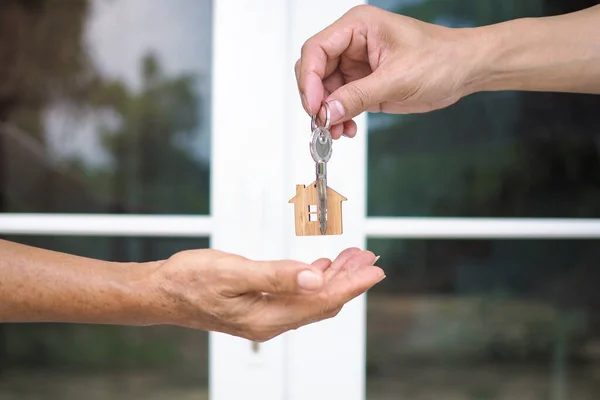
point(317, 207)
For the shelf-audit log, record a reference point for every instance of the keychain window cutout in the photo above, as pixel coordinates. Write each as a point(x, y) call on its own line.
point(306, 221)
point(312, 215)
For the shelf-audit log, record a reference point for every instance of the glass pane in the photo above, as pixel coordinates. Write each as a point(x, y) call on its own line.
point(62, 361)
point(504, 154)
point(485, 320)
point(105, 106)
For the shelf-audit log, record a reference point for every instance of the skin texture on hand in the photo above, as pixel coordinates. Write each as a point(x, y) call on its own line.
point(378, 61)
point(199, 289)
point(223, 292)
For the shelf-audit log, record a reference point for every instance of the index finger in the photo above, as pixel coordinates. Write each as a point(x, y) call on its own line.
point(320, 56)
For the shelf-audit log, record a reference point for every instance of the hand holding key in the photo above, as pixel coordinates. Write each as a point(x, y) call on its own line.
point(378, 61)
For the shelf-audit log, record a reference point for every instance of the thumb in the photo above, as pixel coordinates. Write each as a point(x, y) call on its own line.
point(357, 96)
point(282, 277)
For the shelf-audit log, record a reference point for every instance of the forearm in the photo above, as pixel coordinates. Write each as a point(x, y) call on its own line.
point(43, 286)
point(552, 54)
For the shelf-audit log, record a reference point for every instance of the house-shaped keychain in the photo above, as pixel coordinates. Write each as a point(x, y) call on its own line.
point(305, 211)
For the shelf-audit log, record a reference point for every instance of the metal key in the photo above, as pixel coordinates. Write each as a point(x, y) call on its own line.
point(320, 150)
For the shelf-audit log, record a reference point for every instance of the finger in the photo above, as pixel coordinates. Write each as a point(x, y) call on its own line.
point(330, 84)
point(360, 276)
point(336, 131)
point(333, 82)
point(355, 280)
point(358, 96)
point(319, 58)
point(346, 271)
point(322, 264)
point(297, 73)
point(364, 259)
point(339, 262)
point(278, 277)
point(357, 275)
point(350, 128)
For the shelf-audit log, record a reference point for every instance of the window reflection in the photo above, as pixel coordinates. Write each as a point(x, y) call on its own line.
point(484, 319)
point(62, 361)
point(105, 106)
point(502, 154)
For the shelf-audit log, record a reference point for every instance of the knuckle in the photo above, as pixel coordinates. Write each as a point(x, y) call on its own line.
point(360, 9)
point(180, 256)
point(310, 45)
point(278, 280)
point(306, 46)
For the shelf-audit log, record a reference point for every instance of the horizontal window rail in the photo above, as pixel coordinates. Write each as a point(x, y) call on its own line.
point(376, 227)
point(482, 228)
point(106, 225)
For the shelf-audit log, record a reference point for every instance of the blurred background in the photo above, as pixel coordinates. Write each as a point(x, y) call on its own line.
point(486, 319)
point(105, 108)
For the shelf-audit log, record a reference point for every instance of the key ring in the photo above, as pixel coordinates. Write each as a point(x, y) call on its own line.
point(313, 122)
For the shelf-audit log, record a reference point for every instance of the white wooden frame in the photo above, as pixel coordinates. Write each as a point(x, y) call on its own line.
point(259, 139)
point(374, 227)
point(248, 192)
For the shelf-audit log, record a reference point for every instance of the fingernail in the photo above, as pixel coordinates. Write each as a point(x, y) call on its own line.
point(382, 278)
point(310, 280)
point(305, 102)
point(376, 259)
point(337, 111)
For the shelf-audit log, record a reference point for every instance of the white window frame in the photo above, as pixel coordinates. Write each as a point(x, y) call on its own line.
point(259, 153)
point(251, 213)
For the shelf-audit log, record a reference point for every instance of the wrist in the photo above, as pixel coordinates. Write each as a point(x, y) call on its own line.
point(140, 294)
point(502, 55)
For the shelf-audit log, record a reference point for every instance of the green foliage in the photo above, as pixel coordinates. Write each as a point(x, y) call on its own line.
point(145, 145)
point(153, 169)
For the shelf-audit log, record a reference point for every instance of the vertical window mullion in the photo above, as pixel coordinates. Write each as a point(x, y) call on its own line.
point(325, 360)
point(248, 198)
